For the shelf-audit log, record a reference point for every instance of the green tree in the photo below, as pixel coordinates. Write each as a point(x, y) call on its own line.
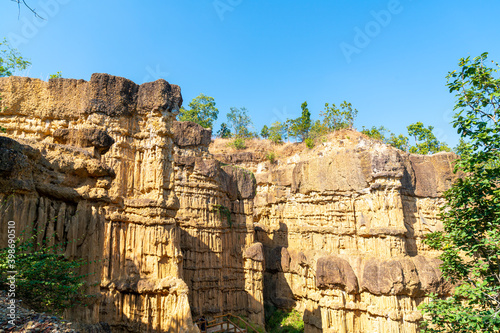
point(425, 140)
point(377, 133)
point(470, 243)
point(202, 111)
point(277, 132)
point(318, 130)
point(240, 122)
point(399, 141)
point(303, 123)
point(299, 128)
point(10, 62)
point(45, 279)
point(224, 131)
point(264, 133)
point(57, 75)
point(337, 118)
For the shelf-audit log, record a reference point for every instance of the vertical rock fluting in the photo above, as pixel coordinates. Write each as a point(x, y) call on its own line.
point(335, 232)
point(215, 216)
point(342, 229)
point(93, 165)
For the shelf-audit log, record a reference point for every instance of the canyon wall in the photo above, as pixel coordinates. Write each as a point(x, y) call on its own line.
point(342, 227)
point(175, 229)
point(91, 163)
point(223, 268)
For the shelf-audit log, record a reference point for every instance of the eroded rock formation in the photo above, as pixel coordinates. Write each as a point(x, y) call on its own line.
point(342, 229)
point(173, 231)
point(91, 162)
point(223, 268)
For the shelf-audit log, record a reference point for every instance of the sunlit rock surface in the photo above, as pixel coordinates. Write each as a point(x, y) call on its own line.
point(176, 228)
point(91, 162)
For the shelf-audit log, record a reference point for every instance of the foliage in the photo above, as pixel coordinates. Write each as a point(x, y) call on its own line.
point(271, 156)
point(264, 133)
point(224, 131)
point(425, 141)
point(318, 130)
point(240, 121)
point(202, 111)
point(57, 75)
point(377, 133)
point(281, 321)
point(223, 210)
point(277, 132)
point(400, 142)
point(11, 60)
point(300, 127)
point(309, 143)
point(238, 143)
point(470, 243)
point(335, 118)
point(45, 279)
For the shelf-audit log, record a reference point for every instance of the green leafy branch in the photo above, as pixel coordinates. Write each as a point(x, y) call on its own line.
point(223, 210)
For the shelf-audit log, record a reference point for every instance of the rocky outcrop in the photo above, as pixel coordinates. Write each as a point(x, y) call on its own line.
point(172, 231)
point(342, 226)
point(91, 164)
point(223, 268)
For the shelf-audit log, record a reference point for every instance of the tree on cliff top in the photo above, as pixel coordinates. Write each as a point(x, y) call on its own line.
point(425, 140)
point(240, 122)
point(202, 111)
point(300, 127)
point(10, 61)
point(470, 243)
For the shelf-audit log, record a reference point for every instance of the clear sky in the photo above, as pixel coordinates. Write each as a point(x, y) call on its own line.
point(388, 58)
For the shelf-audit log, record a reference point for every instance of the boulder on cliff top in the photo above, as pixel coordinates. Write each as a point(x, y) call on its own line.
point(187, 134)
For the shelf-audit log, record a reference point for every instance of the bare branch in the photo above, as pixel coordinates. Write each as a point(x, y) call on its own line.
point(23, 2)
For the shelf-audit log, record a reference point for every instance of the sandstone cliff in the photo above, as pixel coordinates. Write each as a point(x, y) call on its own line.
point(179, 226)
point(91, 162)
point(223, 268)
point(342, 228)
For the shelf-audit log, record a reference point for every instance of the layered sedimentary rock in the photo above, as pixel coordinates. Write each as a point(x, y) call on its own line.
point(170, 232)
point(223, 268)
point(91, 163)
point(342, 229)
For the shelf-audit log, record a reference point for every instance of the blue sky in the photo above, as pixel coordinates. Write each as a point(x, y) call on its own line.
point(388, 58)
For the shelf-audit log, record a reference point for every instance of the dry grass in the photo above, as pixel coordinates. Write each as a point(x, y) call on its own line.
point(261, 147)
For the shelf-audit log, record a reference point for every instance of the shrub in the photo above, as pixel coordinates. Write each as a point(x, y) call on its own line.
point(238, 143)
point(223, 210)
point(281, 321)
point(45, 279)
point(309, 143)
point(271, 156)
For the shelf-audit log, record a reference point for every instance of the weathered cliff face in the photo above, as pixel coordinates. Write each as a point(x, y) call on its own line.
point(335, 232)
point(223, 268)
point(91, 162)
point(342, 229)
